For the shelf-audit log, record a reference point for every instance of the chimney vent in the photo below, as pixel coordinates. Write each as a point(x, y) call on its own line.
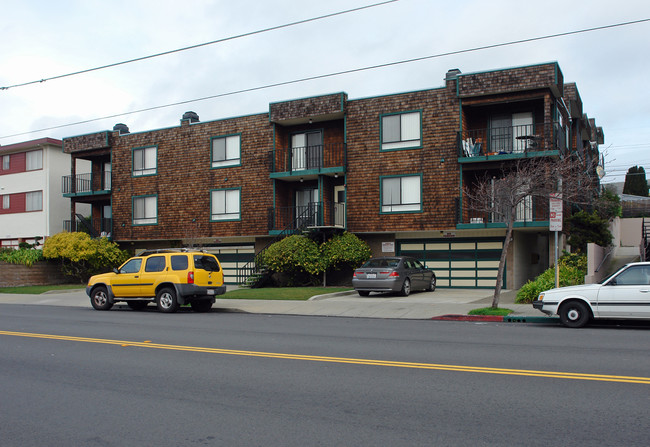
point(121, 128)
point(193, 117)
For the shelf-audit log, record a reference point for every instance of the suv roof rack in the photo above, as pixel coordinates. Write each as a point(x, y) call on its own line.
point(168, 250)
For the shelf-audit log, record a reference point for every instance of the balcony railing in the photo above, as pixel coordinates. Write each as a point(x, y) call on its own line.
point(315, 214)
point(96, 228)
point(86, 183)
point(530, 211)
point(317, 157)
point(511, 140)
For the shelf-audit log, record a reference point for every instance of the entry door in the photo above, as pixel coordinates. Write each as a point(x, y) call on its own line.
point(339, 206)
point(306, 150)
point(306, 207)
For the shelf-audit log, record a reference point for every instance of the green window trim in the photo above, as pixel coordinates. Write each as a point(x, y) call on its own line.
point(400, 131)
point(404, 197)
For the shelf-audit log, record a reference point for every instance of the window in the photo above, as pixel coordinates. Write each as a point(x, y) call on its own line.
point(133, 266)
point(207, 263)
point(401, 194)
point(306, 150)
point(224, 204)
point(144, 160)
point(34, 201)
point(400, 131)
point(6, 202)
point(155, 264)
point(145, 210)
point(34, 160)
point(179, 262)
point(226, 151)
point(6, 164)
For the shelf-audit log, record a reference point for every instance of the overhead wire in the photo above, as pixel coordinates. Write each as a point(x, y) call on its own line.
point(191, 47)
point(339, 73)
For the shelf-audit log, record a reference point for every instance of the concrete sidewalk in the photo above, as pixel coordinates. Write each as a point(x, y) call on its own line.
point(449, 304)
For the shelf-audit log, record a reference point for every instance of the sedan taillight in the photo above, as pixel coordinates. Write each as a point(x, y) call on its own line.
point(394, 274)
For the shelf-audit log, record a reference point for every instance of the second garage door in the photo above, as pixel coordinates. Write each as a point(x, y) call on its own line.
point(458, 262)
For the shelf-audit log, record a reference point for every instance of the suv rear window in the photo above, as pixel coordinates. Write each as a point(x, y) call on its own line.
point(206, 263)
point(179, 262)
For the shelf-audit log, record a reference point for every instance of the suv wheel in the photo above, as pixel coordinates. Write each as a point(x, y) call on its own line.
point(99, 299)
point(166, 300)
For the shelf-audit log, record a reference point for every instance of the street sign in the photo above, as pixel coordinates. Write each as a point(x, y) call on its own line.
point(555, 212)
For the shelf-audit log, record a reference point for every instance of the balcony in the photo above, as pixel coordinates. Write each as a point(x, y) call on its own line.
point(531, 212)
point(86, 184)
point(309, 160)
point(292, 219)
point(511, 142)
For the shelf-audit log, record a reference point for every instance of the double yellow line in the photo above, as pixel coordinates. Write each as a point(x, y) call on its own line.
point(316, 358)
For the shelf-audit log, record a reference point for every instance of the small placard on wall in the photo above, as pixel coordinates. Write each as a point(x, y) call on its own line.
point(388, 247)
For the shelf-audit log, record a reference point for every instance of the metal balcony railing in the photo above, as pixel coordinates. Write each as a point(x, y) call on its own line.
point(315, 214)
point(531, 210)
point(512, 140)
point(310, 158)
point(97, 228)
point(86, 183)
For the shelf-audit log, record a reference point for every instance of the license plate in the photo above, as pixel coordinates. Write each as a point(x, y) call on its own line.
point(210, 291)
point(371, 276)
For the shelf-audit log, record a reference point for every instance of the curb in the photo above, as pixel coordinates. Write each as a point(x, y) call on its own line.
point(497, 318)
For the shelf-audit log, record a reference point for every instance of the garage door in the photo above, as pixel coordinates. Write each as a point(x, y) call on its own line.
point(231, 258)
point(458, 262)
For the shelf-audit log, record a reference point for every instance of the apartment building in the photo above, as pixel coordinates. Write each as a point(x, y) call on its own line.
point(390, 169)
point(30, 178)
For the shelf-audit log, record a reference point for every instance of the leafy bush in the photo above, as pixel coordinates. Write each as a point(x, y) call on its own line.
point(345, 249)
point(294, 255)
point(573, 268)
point(81, 256)
point(23, 256)
point(587, 227)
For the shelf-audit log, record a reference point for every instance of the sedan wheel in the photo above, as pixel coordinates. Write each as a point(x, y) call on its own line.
point(99, 299)
point(406, 287)
point(363, 292)
point(166, 300)
point(432, 284)
point(574, 314)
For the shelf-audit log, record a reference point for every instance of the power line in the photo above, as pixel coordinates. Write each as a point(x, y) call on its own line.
point(191, 47)
point(338, 73)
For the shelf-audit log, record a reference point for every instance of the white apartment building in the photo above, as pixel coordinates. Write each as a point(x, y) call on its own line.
point(31, 202)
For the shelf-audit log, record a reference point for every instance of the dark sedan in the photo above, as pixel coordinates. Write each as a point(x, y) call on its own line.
point(393, 274)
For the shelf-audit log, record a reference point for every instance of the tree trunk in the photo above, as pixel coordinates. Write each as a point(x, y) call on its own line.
point(502, 260)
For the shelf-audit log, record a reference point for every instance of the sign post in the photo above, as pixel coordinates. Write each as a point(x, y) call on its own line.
point(555, 224)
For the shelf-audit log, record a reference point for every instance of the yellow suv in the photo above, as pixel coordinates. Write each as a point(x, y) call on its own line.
point(170, 278)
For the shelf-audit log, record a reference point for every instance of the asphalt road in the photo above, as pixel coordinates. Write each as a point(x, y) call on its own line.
point(77, 377)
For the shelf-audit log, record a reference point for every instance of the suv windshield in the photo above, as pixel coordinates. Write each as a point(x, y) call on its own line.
point(206, 263)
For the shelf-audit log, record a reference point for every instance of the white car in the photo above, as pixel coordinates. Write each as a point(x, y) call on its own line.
point(624, 295)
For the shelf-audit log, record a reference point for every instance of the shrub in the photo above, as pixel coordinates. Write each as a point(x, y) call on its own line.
point(346, 249)
point(23, 256)
point(81, 256)
point(573, 268)
point(294, 255)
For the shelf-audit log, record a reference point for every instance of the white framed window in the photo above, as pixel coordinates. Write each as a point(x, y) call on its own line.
point(6, 162)
point(401, 194)
point(6, 202)
point(225, 204)
point(226, 151)
point(34, 201)
point(401, 131)
point(145, 210)
point(144, 160)
point(34, 160)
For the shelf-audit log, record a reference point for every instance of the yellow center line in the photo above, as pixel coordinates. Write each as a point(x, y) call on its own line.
point(346, 360)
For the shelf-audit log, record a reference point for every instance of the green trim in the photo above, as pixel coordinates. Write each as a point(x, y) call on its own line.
point(381, 192)
point(381, 131)
point(133, 198)
point(224, 161)
point(225, 189)
point(155, 146)
point(516, 155)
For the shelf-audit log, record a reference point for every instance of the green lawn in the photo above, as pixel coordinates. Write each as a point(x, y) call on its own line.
point(35, 290)
point(499, 311)
point(281, 293)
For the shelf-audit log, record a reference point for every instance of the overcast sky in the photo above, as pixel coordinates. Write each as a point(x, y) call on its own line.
point(45, 38)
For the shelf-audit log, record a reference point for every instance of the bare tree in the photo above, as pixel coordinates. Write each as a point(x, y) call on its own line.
point(505, 192)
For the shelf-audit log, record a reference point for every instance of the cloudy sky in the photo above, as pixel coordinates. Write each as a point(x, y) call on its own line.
point(44, 39)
